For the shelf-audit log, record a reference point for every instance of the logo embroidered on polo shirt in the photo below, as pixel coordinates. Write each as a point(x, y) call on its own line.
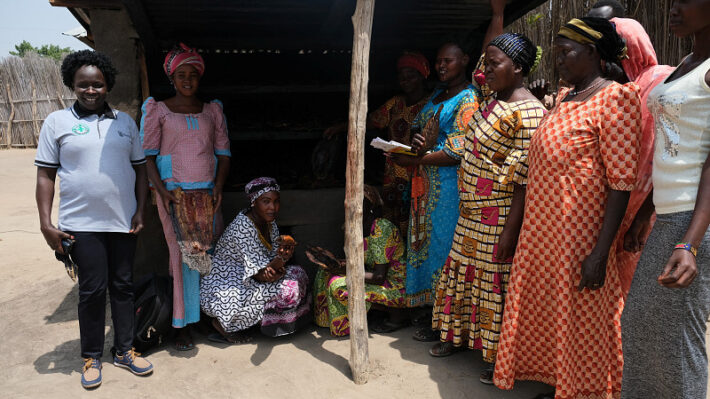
point(80, 129)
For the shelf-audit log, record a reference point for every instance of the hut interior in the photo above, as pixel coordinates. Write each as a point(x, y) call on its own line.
point(282, 69)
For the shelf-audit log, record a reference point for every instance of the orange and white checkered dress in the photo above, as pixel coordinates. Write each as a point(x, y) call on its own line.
point(551, 332)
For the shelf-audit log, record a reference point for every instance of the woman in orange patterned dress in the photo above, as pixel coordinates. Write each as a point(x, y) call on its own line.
point(563, 306)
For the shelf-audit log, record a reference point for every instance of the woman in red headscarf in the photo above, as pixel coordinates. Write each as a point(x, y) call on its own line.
point(187, 151)
point(396, 115)
point(640, 67)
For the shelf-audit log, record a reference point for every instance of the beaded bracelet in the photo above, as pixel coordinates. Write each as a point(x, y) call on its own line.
point(688, 247)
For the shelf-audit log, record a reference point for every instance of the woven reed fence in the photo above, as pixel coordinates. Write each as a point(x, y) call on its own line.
point(541, 26)
point(30, 89)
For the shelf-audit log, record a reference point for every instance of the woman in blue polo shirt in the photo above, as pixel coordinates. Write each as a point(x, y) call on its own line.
point(97, 154)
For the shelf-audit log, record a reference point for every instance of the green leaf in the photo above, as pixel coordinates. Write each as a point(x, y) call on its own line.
point(534, 18)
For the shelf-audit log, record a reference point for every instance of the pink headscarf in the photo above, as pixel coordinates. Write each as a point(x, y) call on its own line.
point(182, 55)
point(642, 68)
point(641, 54)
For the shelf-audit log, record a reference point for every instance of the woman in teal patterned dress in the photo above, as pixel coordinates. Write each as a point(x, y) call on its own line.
point(435, 200)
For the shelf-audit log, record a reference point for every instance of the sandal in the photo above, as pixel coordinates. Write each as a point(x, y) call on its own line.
point(422, 320)
point(425, 334)
point(443, 349)
point(217, 337)
point(387, 326)
point(231, 339)
point(486, 376)
point(183, 341)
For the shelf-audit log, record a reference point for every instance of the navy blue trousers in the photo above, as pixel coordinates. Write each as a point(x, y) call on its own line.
point(105, 261)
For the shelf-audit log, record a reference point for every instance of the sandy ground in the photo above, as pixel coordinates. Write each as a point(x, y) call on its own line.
point(39, 336)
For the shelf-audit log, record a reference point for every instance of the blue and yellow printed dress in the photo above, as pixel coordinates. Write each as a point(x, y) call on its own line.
point(435, 200)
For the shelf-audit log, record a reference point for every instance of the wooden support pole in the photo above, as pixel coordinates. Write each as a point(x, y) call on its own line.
point(8, 131)
point(354, 177)
point(35, 117)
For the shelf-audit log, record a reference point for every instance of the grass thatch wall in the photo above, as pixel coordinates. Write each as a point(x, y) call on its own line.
point(20, 75)
point(542, 24)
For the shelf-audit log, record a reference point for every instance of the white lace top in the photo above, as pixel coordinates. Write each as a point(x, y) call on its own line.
point(681, 110)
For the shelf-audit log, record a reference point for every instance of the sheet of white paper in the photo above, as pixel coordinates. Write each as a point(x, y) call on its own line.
point(390, 146)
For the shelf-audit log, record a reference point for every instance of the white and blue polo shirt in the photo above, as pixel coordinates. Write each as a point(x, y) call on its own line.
point(94, 156)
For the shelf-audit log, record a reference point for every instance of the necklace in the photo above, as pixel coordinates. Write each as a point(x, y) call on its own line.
point(455, 87)
point(574, 93)
point(263, 239)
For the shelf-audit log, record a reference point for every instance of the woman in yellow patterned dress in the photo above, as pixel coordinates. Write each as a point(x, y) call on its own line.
point(384, 274)
point(468, 309)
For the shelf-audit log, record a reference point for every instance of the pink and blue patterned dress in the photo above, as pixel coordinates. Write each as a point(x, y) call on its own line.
point(186, 148)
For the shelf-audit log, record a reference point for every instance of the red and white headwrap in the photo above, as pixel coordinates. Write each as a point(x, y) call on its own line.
point(182, 55)
point(416, 61)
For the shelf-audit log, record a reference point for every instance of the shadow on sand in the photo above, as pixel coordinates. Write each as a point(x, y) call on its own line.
point(66, 311)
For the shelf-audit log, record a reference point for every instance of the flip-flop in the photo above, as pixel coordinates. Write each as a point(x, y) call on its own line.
point(425, 334)
point(486, 376)
point(387, 326)
point(184, 346)
point(444, 349)
point(422, 320)
point(237, 338)
point(217, 337)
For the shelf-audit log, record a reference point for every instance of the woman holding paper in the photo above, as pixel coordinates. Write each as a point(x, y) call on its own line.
point(396, 115)
point(434, 196)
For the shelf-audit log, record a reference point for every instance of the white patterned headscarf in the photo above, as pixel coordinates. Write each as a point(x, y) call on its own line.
point(260, 186)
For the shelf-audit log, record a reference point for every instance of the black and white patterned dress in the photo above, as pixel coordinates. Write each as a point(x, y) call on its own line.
point(238, 301)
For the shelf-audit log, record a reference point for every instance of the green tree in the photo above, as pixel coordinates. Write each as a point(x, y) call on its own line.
point(47, 50)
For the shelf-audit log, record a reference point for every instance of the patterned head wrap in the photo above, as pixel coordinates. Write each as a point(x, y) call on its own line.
point(416, 61)
point(182, 55)
point(520, 49)
point(260, 186)
point(599, 32)
point(576, 30)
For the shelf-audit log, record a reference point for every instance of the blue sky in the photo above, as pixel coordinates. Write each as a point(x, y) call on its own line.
point(37, 22)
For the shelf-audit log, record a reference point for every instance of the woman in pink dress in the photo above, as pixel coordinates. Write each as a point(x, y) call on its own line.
point(187, 149)
point(641, 67)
